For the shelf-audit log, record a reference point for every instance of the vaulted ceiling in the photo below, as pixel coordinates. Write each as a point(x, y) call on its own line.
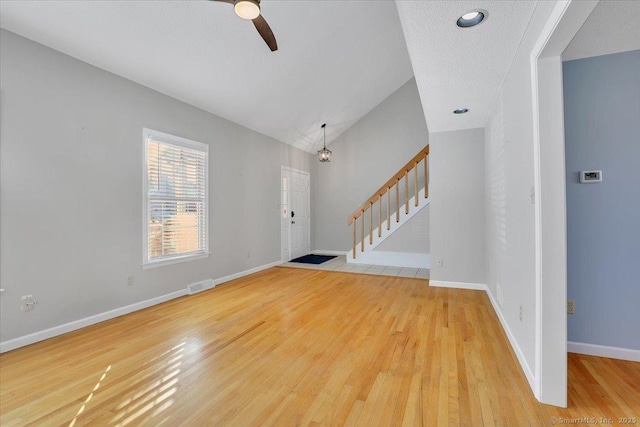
point(336, 59)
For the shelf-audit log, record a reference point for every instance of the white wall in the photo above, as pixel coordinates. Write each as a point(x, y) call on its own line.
point(510, 213)
point(457, 206)
point(71, 200)
point(510, 216)
point(364, 158)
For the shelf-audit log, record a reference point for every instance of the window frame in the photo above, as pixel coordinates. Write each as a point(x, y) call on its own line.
point(157, 136)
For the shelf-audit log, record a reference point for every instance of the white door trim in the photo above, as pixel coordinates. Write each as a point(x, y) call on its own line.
point(550, 211)
point(285, 226)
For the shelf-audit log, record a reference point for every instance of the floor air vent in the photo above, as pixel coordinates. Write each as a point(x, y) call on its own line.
point(194, 288)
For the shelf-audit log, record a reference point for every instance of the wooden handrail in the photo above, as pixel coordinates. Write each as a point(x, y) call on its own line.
point(396, 180)
point(386, 186)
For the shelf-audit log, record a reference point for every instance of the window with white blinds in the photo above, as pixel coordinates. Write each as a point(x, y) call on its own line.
point(176, 201)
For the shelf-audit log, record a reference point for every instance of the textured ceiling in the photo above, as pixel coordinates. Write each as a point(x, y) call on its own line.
point(336, 59)
point(461, 67)
point(613, 26)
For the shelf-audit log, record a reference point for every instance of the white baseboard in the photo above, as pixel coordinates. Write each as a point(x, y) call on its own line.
point(87, 321)
point(391, 259)
point(604, 351)
point(245, 273)
point(572, 347)
point(328, 252)
point(101, 317)
point(458, 285)
point(505, 327)
point(514, 345)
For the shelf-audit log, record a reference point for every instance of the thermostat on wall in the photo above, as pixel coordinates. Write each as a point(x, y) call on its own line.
point(589, 177)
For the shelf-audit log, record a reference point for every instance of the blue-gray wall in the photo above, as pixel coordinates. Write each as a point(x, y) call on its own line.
point(602, 126)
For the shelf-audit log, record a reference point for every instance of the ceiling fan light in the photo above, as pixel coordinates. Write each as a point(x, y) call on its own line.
point(247, 9)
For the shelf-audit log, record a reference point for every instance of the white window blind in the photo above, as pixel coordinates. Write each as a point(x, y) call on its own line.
point(176, 197)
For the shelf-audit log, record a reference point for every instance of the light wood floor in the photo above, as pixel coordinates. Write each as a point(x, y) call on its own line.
point(301, 347)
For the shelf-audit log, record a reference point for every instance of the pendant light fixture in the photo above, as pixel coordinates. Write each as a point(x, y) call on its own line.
point(324, 155)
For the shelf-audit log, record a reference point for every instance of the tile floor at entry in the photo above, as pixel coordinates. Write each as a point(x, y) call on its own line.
point(339, 263)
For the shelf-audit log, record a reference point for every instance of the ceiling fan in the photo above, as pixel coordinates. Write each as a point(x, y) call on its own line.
point(250, 9)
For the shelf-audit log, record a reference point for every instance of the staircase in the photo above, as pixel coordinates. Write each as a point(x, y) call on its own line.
point(388, 209)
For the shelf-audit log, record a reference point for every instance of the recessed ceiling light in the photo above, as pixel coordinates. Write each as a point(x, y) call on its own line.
point(460, 111)
point(471, 18)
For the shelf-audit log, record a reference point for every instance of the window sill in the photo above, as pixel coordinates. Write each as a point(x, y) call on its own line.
point(176, 260)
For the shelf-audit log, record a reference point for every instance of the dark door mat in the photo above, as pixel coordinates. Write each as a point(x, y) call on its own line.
point(313, 259)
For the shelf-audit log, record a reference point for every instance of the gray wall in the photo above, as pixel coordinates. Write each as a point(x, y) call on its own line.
point(364, 158)
point(602, 128)
point(412, 237)
point(457, 206)
point(71, 202)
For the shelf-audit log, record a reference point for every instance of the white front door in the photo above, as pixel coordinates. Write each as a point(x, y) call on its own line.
point(295, 215)
point(300, 230)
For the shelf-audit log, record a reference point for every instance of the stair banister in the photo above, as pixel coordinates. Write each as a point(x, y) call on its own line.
point(423, 155)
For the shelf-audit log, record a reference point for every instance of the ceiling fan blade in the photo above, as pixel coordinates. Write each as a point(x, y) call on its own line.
point(225, 1)
point(266, 33)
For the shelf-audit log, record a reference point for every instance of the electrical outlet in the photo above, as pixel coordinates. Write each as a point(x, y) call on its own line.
point(27, 303)
point(521, 316)
point(130, 281)
point(500, 294)
point(571, 306)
